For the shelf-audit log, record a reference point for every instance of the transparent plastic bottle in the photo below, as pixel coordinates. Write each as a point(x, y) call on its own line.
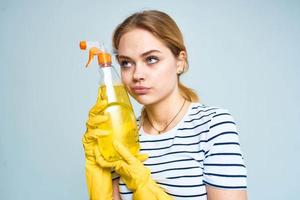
point(121, 125)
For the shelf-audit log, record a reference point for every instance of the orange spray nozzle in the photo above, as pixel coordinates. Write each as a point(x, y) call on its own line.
point(104, 59)
point(82, 45)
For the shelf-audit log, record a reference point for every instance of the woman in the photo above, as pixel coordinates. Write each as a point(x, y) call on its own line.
point(193, 149)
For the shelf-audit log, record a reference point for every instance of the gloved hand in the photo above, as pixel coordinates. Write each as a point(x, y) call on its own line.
point(134, 174)
point(99, 180)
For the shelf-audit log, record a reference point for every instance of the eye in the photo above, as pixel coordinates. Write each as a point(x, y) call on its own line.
point(152, 59)
point(125, 63)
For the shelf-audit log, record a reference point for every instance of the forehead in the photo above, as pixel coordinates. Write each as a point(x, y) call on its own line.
point(138, 41)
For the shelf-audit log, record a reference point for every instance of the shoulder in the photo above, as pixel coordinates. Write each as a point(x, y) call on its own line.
point(200, 109)
point(213, 114)
point(214, 119)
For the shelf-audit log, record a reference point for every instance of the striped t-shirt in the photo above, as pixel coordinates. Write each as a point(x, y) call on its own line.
point(202, 149)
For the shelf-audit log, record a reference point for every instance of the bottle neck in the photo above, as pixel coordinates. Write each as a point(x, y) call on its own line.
point(109, 76)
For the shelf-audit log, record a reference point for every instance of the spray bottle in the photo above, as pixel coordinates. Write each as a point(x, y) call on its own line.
point(122, 124)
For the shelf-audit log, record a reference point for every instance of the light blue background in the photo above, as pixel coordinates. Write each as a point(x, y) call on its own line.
point(244, 56)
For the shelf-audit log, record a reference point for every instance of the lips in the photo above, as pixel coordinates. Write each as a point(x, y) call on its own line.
point(140, 90)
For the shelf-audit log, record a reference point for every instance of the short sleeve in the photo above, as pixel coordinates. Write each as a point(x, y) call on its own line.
point(223, 163)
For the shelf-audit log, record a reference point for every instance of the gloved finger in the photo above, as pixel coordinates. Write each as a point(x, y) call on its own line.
point(123, 169)
point(98, 107)
point(123, 152)
point(88, 152)
point(97, 120)
point(101, 161)
point(96, 133)
point(101, 98)
point(142, 157)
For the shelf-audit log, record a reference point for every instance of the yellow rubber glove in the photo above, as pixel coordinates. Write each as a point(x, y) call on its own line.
point(99, 180)
point(135, 175)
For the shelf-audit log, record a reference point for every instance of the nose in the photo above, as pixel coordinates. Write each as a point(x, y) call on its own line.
point(139, 74)
point(138, 77)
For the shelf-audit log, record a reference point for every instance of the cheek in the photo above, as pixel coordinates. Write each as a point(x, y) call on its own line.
point(166, 79)
point(168, 73)
point(125, 77)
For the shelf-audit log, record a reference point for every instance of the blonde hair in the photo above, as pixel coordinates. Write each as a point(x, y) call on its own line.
point(166, 30)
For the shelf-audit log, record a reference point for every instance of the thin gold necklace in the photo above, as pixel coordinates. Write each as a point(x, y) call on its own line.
point(160, 131)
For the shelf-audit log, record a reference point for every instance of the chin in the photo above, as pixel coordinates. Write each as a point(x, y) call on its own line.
point(144, 100)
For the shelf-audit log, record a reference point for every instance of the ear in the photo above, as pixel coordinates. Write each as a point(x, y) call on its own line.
point(181, 62)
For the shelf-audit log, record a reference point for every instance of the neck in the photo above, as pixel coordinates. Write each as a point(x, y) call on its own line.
point(162, 112)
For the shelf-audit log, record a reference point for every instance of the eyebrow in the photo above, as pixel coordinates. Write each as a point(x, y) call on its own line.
point(142, 55)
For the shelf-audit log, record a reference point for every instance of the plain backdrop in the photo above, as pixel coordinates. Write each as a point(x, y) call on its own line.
point(243, 55)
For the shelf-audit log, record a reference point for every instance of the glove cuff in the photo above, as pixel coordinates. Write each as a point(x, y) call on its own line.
point(99, 183)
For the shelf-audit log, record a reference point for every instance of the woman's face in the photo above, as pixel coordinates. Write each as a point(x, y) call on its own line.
point(148, 67)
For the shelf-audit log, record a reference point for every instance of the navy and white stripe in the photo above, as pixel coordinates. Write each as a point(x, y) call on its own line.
point(203, 149)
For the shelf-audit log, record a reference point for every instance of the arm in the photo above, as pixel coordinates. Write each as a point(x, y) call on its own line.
point(214, 193)
point(116, 193)
point(225, 173)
